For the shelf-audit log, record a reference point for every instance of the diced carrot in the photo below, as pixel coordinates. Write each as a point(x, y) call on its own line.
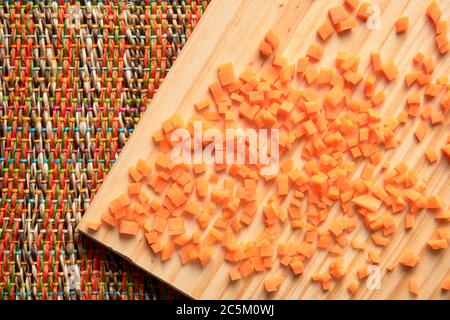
point(429, 65)
point(144, 168)
point(124, 200)
point(167, 251)
point(283, 184)
point(272, 38)
point(217, 92)
point(135, 174)
point(434, 202)
point(337, 14)
point(272, 284)
point(315, 52)
point(200, 105)
point(347, 24)
point(311, 74)
point(431, 155)
point(445, 284)
point(352, 287)
point(409, 259)
point(377, 64)
point(390, 70)
point(108, 219)
point(226, 75)
point(438, 244)
point(94, 224)
point(134, 188)
point(325, 30)
point(235, 274)
point(358, 245)
point(363, 12)
point(374, 257)
point(434, 12)
point(176, 195)
point(402, 24)
point(420, 131)
point(414, 286)
point(380, 241)
point(367, 202)
point(265, 49)
point(128, 228)
point(351, 4)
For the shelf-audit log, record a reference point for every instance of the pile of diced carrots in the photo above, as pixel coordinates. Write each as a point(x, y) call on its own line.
point(337, 132)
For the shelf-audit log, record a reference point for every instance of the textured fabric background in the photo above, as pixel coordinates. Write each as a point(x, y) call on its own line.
point(75, 77)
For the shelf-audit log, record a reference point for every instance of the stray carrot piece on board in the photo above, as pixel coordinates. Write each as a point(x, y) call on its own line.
point(352, 287)
point(409, 259)
point(93, 224)
point(421, 131)
point(390, 70)
point(445, 284)
point(414, 286)
point(272, 284)
point(365, 10)
point(431, 155)
point(402, 24)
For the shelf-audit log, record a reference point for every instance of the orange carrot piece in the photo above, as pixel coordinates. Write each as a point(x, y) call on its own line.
point(135, 174)
point(402, 24)
point(363, 12)
point(94, 224)
point(176, 195)
point(272, 38)
point(434, 12)
point(390, 70)
point(200, 105)
point(134, 188)
point(315, 52)
point(377, 64)
point(272, 284)
point(445, 284)
point(144, 168)
point(367, 202)
point(431, 155)
point(226, 74)
point(128, 228)
point(217, 92)
point(352, 287)
point(235, 274)
point(409, 259)
point(325, 30)
point(266, 50)
point(283, 184)
point(420, 131)
point(414, 286)
point(351, 4)
point(438, 244)
point(337, 14)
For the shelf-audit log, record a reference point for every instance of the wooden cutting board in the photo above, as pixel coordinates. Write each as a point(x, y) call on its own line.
point(231, 31)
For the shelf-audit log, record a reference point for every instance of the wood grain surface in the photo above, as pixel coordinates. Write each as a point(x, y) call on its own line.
point(231, 31)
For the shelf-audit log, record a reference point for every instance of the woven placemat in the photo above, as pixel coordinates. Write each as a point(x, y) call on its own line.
point(75, 77)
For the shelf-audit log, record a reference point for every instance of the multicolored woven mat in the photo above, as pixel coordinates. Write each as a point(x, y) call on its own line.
point(75, 77)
